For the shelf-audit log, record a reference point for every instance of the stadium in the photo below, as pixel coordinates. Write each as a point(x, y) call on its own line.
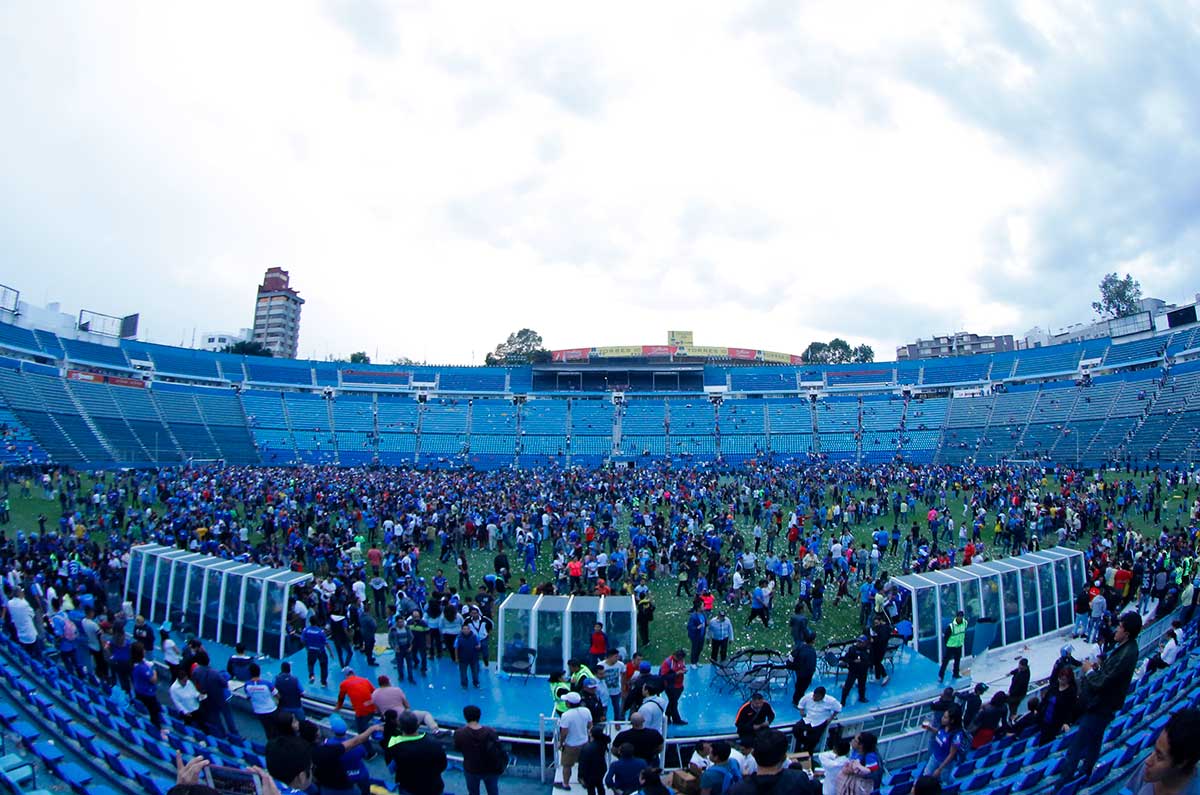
point(164, 421)
point(275, 521)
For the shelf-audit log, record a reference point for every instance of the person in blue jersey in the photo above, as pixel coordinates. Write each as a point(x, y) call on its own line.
point(316, 644)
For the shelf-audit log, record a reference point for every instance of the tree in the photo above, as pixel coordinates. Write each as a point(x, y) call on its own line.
point(403, 361)
point(521, 347)
point(360, 357)
point(862, 354)
point(839, 351)
point(816, 353)
point(836, 351)
point(248, 348)
point(1118, 297)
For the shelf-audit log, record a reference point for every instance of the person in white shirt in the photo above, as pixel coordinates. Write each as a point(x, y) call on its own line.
point(185, 697)
point(817, 709)
point(21, 615)
point(832, 762)
point(654, 711)
point(574, 731)
point(1167, 653)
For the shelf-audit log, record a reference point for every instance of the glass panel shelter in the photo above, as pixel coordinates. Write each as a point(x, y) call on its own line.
point(557, 628)
point(225, 601)
point(1028, 595)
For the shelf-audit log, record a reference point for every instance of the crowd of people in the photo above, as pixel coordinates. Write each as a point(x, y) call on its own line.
point(392, 552)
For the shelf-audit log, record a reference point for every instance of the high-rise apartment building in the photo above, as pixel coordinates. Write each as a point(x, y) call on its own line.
point(277, 314)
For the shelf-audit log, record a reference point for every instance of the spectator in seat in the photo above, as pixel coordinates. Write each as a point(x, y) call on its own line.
point(1170, 769)
point(1168, 651)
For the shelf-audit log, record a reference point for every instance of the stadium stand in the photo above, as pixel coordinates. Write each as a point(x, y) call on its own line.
point(90, 353)
point(1140, 352)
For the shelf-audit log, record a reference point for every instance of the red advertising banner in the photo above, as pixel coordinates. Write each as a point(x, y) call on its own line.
point(658, 350)
point(117, 380)
point(796, 359)
point(571, 355)
point(80, 375)
point(746, 354)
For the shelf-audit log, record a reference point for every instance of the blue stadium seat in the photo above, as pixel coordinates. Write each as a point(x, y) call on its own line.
point(27, 732)
point(50, 756)
point(75, 776)
point(8, 713)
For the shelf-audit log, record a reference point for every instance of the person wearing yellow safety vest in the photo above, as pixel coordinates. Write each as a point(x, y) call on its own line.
point(559, 688)
point(579, 672)
point(955, 635)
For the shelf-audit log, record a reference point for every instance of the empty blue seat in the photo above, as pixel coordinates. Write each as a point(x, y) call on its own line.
point(1003, 789)
point(75, 776)
point(1071, 787)
point(1103, 767)
point(980, 781)
point(99, 789)
point(8, 713)
point(27, 732)
point(49, 754)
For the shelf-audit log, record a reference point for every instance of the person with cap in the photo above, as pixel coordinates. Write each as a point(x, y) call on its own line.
point(574, 730)
point(1102, 691)
point(720, 631)
point(672, 671)
point(359, 690)
point(339, 764)
point(858, 662)
point(1171, 767)
point(954, 635)
point(753, 716)
point(589, 690)
point(559, 687)
point(417, 759)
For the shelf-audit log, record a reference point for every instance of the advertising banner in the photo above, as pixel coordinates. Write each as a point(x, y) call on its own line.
point(80, 375)
point(117, 380)
point(658, 350)
point(571, 355)
point(679, 338)
point(744, 354)
point(776, 356)
point(619, 351)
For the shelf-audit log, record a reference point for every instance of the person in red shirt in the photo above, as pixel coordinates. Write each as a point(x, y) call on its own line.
point(358, 689)
point(599, 647)
point(672, 671)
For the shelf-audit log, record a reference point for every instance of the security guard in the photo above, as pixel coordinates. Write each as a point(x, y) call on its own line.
point(956, 634)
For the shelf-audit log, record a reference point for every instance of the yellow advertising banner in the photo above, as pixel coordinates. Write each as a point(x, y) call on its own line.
point(775, 356)
point(708, 350)
point(679, 338)
point(619, 350)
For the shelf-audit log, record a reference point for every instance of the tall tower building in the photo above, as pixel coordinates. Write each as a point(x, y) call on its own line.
point(277, 314)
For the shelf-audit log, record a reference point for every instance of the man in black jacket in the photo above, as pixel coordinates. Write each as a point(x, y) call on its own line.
point(857, 661)
point(773, 775)
point(419, 760)
point(804, 664)
point(1102, 691)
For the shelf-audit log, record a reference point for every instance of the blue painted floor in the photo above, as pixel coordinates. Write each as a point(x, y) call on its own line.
point(513, 705)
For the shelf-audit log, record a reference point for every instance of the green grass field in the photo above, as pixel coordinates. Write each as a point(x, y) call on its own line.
point(668, 629)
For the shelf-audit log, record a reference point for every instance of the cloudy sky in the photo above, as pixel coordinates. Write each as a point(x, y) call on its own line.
point(436, 175)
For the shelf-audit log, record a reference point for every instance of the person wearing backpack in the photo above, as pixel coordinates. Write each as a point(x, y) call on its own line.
point(484, 759)
point(66, 634)
point(720, 776)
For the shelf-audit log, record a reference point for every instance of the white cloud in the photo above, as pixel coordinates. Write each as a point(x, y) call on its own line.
point(434, 179)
